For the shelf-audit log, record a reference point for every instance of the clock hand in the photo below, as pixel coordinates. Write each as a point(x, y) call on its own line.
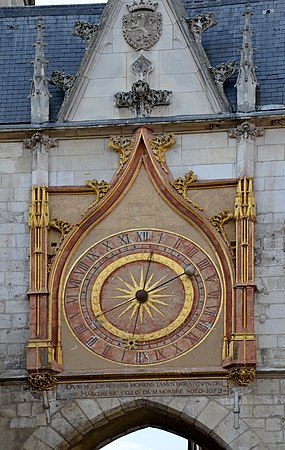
point(189, 271)
point(147, 270)
point(115, 307)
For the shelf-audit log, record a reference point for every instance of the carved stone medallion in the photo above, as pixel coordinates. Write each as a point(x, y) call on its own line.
point(142, 27)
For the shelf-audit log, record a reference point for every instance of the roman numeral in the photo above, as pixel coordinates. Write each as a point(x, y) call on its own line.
point(178, 349)
point(80, 328)
point(107, 245)
point(204, 264)
point(124, 238)
point(159, 355)
point(91, 341)
point(81, 267)
point(106, 350)
point(192, 252)
point(74, 283)
point(143, 235)
point(215, 295)
point(70, 298)
point(210, 311)
point(92, 255)
point(203, 326)
point(142, 357)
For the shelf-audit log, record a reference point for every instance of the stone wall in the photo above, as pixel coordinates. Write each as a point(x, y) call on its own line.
point(26, 415)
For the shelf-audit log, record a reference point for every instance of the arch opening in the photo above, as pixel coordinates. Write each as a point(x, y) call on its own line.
point(148, 416)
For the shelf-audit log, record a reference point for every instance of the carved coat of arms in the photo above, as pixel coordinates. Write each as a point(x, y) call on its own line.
point(143, 25)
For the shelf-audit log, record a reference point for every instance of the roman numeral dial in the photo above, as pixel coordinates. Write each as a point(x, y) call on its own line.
point(148, 296)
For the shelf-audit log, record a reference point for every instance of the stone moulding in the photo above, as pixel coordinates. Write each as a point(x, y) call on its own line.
point(123, 146)
point(141, 99)
point(160, 145)
point(242, 376)
point(42, 381)
point(181, 185)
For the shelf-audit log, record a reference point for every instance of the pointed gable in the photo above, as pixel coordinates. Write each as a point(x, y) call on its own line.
point(143, 61)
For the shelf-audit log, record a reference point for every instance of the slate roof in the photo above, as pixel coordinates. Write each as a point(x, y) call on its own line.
point(65, 51)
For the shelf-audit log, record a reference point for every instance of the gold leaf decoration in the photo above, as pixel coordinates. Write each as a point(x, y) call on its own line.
point(39, 209)
point(159, 145)
point(61, 225)
point(100, 188)
point(219, 220)
point(242, 376)
point(182, 185)
point(123, 146)
point(42, 381)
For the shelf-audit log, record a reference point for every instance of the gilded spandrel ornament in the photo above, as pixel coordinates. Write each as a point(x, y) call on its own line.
point(123, 146)
point(61, 225)
point(219, 220)
point(100, 189)
point(182, 185)
point(242, 376)
point(42, 381)
point(159, 145)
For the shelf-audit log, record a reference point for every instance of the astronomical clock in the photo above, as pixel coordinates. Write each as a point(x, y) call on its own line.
point(143, 276)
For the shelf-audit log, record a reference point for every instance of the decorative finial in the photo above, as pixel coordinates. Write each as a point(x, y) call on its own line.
point(246, 81)
point(39, 93)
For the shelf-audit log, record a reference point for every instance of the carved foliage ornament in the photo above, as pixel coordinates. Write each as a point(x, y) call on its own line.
point(242, 377)
point(201, 23)
point(245, 131)
point(38, 139)
point(224, 71)
point(142, 27)
point(62, 80)
point(85, 31)
point(123, 146)
point(42, 381)
point(141, 99)
point(219, 220)
point(100, 189)
point(61, 225)
point(160, 145)
point(182, 184)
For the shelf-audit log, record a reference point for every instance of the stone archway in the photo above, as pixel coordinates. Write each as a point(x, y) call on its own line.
point(88, 424)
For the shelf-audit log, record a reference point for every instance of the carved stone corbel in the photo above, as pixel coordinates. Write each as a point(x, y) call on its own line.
point(42, 381)
point(242, 376)
point(201, 23)
point(181, 185)
point(245, 131)
point(224, 71)
point(62, 80)
point(85, 31)
point(142, 99)
point(40, 146)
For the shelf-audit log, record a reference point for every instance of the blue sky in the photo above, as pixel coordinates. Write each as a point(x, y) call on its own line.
point(148, 439)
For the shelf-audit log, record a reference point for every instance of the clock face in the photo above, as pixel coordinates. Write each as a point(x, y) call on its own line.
point(142, 297)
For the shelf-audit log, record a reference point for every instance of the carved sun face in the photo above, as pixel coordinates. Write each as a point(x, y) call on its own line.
point(147, 305)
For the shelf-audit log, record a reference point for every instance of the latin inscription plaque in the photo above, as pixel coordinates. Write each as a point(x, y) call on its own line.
point(150, 388)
